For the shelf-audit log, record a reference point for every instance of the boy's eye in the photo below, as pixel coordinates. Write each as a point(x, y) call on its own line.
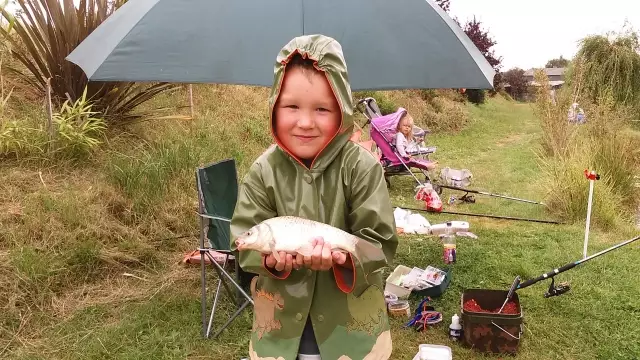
point(291, 106)
point(323, 109)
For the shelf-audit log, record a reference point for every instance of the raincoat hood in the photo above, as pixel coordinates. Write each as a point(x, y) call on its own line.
point(327, 55)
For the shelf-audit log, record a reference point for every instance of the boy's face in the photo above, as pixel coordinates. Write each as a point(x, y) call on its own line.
point(307, 113)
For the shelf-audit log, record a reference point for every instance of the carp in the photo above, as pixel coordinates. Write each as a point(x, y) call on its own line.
point(294, 235)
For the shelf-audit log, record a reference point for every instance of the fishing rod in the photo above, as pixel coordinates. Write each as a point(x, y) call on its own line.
point(485, 215)
point(564, 287)
point(489, 194)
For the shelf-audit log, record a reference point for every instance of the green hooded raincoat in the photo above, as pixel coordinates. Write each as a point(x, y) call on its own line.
point(344, 187)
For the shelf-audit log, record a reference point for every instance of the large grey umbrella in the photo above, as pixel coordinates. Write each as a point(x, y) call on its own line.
point(399, 44)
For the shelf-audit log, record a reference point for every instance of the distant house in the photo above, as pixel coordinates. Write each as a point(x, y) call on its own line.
point(555, 76)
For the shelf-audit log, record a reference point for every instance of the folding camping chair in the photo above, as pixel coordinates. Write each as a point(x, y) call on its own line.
point(217, 194)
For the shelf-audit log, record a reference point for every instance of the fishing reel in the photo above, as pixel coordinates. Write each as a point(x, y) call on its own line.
point(554, 290)
point(464, 198)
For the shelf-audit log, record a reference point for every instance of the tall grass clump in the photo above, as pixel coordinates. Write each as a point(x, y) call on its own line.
point(558, 134)
point(444, 114)
point(147, 177)
point(602, 144)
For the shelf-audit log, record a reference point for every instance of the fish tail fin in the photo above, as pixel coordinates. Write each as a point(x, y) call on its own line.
point(366, 276)
point(367, 252)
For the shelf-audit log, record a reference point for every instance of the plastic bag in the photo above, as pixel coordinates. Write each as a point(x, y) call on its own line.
point(454, 177)
point(411, 223)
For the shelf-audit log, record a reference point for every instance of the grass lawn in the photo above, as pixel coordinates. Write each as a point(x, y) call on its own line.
point(156, 313)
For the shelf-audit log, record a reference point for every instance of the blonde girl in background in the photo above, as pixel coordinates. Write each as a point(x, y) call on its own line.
point(406, 142)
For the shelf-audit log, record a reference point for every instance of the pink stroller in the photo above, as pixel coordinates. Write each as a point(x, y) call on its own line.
point(382, 132)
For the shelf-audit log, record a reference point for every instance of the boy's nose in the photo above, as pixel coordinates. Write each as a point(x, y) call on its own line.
point(306, 121)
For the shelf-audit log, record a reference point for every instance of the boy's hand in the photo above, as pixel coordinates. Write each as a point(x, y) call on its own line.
point(322, 258)
point(286, 263)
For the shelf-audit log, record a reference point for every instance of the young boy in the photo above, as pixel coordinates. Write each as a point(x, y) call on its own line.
point(322, 304)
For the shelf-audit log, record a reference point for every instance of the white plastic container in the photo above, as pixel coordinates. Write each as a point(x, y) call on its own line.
point(399, 291)
point(433, 352)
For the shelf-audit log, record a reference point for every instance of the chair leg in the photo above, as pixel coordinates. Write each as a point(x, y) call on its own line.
point(221, 273)
point(219, 270)
point(244, 293)
point(213, 308)
point(204, 293)
point(235, 315)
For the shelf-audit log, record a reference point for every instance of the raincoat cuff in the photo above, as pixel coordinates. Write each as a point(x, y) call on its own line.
point(345, 275)
point(281, 275)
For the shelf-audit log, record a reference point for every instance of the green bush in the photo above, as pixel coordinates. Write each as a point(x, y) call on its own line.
point(78, 129)
point(476, 96)
point(384, 103)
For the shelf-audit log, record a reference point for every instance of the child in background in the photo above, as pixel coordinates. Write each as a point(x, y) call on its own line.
point(319, 305)
point(406, 143)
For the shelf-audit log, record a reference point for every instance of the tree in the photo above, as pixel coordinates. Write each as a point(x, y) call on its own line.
point(517, 81)
point(608, 66)
point(444, 4)
point(484, 43)
point(557, 63)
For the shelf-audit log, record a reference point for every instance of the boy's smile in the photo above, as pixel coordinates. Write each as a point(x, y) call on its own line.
point(307, 114)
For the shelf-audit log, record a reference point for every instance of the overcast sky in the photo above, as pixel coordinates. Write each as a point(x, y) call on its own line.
point(531, 32)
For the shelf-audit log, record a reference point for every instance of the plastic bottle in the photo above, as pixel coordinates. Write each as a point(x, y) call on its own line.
point(449, 244)
point(455, 329)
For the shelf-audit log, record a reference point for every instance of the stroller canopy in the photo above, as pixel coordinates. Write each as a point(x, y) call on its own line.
point(387, 125)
